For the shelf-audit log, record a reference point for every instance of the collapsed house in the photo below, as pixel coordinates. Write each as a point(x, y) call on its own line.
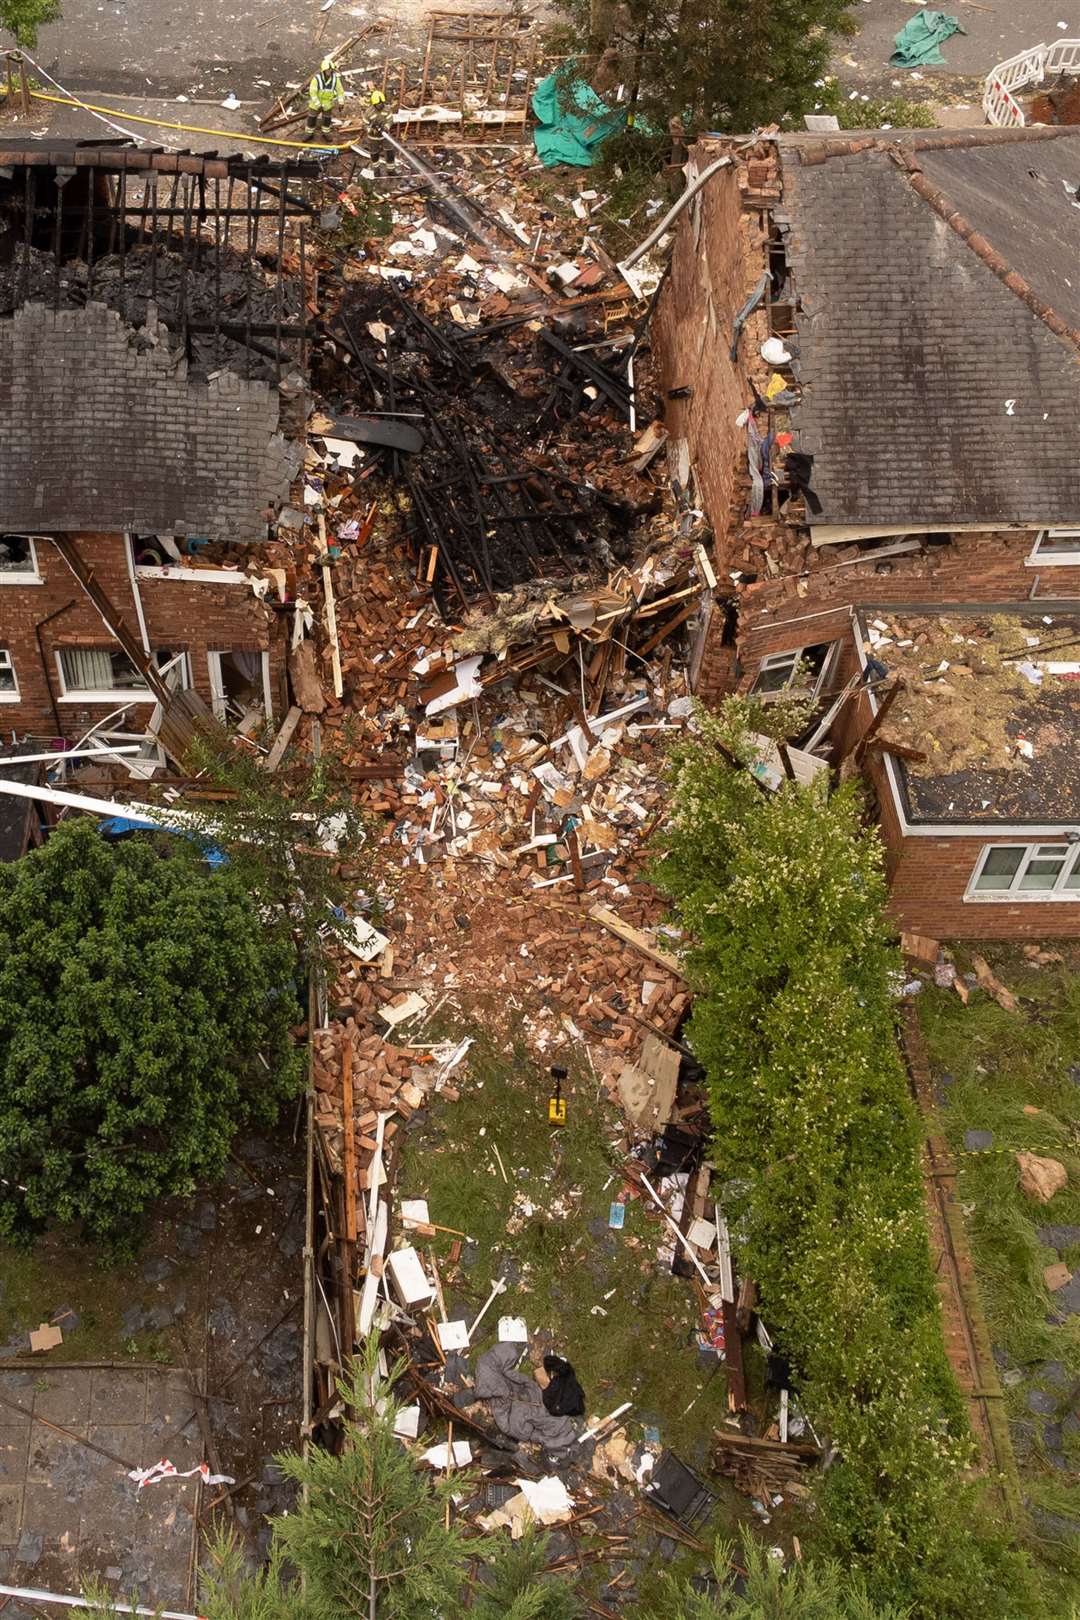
point(879, 338)
point(153, 351)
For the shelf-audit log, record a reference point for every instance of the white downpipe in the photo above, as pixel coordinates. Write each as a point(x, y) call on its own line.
point(160, 815)
point(129, 557)
point(61, 757)
point(31, 1594)
point(674, 211)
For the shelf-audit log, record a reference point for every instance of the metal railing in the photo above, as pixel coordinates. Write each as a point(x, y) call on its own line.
point(1000, 106)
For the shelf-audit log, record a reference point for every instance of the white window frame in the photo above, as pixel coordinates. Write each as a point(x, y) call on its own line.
point(1037, 558)
point(23, 576)
point(113, 694)
point(218, 701)
point(793, 656)
point(1014, 893)
point(9, 664)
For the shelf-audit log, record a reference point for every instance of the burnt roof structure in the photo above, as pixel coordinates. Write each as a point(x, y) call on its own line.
point(938, 325)
point(147, 318)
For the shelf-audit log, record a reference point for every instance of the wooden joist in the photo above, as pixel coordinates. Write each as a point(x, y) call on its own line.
point(634, 936)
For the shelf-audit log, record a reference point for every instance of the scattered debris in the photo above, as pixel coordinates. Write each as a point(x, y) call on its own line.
point(1041, 1178)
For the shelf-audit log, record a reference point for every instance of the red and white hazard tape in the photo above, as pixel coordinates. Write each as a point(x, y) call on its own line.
point(167, 1470)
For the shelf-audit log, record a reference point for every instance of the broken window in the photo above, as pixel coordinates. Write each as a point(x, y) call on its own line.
point(9, 686)
point(1056, 546)
point(803, 669)
point(18, 559)
point(1008, 870)
point(109, 670)
point(239, 682)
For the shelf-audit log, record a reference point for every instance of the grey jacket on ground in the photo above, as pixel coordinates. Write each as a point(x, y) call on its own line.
point(516, 1402)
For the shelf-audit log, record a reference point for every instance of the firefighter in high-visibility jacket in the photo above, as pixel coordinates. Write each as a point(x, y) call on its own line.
point(325, 92)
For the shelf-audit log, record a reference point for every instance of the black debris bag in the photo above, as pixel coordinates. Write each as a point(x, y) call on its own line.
point(564, 1396)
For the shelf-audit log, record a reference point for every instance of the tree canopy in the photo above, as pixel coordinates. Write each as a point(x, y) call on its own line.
point(793, 964)
point(145, 1008)
point(371, 1538)
point(717, 64)
point(23, 18)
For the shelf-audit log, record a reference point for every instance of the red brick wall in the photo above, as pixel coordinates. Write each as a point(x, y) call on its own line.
point(717, 259)
point(983, 567)
point(928, 885)
point(783, 631)
point(180, 617)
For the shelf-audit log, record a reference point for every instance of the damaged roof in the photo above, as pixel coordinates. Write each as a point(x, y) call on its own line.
point(101, 428)
point(938, 335)
point(992, 698)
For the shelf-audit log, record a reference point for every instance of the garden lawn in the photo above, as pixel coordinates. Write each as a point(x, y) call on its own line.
point(1016, 1076)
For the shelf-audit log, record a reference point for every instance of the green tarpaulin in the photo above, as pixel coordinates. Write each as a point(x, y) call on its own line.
point(918, 42)
point(571, 134)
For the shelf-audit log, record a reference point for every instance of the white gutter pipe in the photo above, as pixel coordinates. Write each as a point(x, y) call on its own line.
point(160, 815)
point(674, 211)
point(31, 1594)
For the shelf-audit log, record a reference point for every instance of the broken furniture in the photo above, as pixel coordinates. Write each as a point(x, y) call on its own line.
point(760, 1467)
point(677, 1491)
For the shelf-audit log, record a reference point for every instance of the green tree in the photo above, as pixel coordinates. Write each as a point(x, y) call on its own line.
point(815, 1591)
point(370, 1538)
point(715, 64)
point(512, 1586)
point(296, 837)
point(23, 18)
point(145, 1010)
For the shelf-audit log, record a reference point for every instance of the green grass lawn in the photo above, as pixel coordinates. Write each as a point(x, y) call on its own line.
point(611, 1306)
point(57, 1273)
point(627, 1325)
point(1017, 1075)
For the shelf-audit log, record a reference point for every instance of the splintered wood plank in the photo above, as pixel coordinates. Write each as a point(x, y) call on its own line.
point(350, 1141)
point(633, 936)
point(283, 738)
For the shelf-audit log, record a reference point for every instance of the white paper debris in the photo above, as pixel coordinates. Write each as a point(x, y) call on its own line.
point(548, 1498)
point(439, 1456)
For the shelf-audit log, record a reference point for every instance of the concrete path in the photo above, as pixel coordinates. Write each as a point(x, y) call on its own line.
point(67, 1511)
point(994, 31)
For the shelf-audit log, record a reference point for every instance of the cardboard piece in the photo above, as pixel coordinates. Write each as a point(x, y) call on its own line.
point(407, 1423)
point(439, 1456)
point(46, 1337)
point(647, 1088)
point(408, 1008)
point(452, 1336)
point(513, 1330)
point(363, 941)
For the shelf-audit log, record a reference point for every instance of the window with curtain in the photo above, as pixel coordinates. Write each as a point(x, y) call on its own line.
point(99, 669)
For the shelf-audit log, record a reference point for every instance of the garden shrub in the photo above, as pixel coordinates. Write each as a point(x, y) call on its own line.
point(792, 961)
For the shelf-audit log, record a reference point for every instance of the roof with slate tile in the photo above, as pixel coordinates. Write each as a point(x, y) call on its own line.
point(938, 331)
point(100, 430)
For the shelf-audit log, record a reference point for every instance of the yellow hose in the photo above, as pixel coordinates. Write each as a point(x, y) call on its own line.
point(237, 136)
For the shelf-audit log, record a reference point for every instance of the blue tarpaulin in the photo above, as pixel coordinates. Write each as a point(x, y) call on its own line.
point(117, 826)
point(573, 121)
